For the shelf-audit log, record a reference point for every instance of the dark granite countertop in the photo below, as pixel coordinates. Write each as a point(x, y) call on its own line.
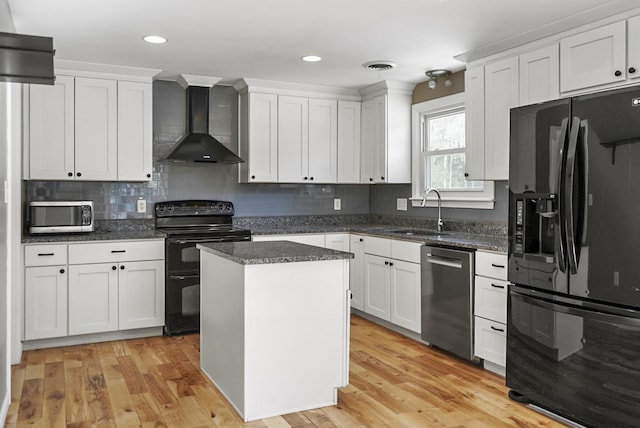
point(93, 236)
point(426, 236)
point(253, 253)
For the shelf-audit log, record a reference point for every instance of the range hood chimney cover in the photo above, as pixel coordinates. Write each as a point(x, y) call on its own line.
point(26, 59)
point(198, 145)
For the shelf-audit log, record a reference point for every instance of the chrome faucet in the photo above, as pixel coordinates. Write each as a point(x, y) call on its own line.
point(424, 203)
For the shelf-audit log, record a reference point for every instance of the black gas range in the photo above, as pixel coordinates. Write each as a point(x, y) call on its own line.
point(186, 224)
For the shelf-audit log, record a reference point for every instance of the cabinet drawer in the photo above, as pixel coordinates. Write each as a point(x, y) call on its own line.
point(493, 265)
point(377, 246)
point(403, 250)
point(490, 341)
point(491, 299)
point(115, 251)
point(45, 255)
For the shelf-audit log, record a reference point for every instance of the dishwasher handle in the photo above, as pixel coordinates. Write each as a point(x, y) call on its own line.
point(444, 261)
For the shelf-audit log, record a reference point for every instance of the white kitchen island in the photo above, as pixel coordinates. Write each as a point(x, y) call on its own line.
point(274, 325)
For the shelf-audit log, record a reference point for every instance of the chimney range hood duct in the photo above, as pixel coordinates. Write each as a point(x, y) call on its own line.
point(198, 145)
point(26, 59)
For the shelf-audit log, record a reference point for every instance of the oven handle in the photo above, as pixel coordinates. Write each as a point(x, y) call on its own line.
point(583, 312)
point(199, 240)
point(183, 277)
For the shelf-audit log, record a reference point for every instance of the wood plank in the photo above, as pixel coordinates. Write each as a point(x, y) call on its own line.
point(156, 382)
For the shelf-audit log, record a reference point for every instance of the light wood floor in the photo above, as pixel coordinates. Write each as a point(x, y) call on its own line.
point(155, 382)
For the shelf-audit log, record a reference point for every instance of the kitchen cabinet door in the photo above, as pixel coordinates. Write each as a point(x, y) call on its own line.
point(474, 123)
point(322, 153)
point(96, 129)
point(501, 94)
point(356, 272)
point(141, 294)
point(490, 341)
point(258, 138)
point(633, 47)
point(45, 296)
point(293, 139)
point(349, 141)
point(377, 277)
point(337, 241)
point(406, 295)
point(135, 128)
point(51, 130)
point(540, 75)
point(594, 57)
point(372, 143)
point(93, 298)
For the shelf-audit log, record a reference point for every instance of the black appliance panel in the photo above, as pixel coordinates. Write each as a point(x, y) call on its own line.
point(578, 362)
point(182, 308)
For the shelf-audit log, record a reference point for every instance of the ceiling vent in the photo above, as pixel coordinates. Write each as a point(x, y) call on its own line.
point(379, 65)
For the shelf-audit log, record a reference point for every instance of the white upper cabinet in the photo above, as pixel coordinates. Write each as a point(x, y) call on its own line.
point(51, 130)
point(594, 57)
point(501, 94)
point(474, 122)
point(90, 125)
point(386, 133)
point(539, 75)
point(633, 47)
point(293, 139)
point(323, 140)
point(349, 141)
point(135, 136)
point(258, 137)
point(96, 127)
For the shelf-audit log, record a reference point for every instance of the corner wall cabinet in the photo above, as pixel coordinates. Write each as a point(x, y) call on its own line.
point(93, 287)
point(386, 133)
point(93, 126)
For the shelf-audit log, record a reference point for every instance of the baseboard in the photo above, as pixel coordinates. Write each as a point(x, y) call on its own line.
point(5, 408)
point(84, 339)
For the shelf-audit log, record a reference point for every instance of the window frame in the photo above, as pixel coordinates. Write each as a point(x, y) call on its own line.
point(483, 198)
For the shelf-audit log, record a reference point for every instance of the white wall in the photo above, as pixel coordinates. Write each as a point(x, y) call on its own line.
point(8, 94)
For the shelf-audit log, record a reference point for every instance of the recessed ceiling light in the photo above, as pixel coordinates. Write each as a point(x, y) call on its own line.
point(311, 58)
point(155, 39)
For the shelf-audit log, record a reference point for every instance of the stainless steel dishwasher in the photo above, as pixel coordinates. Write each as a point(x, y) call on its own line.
point(447, 299)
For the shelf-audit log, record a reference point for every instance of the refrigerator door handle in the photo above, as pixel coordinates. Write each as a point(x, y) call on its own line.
point(568, 196)
point(559, 240)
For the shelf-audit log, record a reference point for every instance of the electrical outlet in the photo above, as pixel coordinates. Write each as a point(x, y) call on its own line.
point(401, 204)
point(142, 206)
point(337, 204)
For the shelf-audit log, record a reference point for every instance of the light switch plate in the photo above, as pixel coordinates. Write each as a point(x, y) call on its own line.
point(401, 204)
point(142, 206)
point(337, 204)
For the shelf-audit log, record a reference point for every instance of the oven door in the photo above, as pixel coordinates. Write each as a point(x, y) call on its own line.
point(578, 359)
point(182, 304)
point(182, 256)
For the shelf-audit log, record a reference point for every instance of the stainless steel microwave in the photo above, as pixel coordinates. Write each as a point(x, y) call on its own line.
point(60, 216)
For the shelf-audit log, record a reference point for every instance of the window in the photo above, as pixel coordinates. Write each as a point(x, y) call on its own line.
point(439, 155)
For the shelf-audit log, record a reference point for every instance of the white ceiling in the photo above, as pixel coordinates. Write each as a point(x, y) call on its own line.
point(264, 39)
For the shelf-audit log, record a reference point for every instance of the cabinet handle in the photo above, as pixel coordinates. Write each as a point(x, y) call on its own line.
point(70, 174)
point(632, 70)
point(618, 73)
point(253, 177)
point(466, 174)
point(497, 266)
point(45, 254)
point(79, 174)
point(361, 240)
point(381, 178)
point(386, 263)
point(311, 178)
point(113, 268)
point(390, 263)
point(148, 175)
point(121, 267)
point(370, 179)
point(118, 251)
point(304, 178)
point(497, 286)
point(61, 270)
point(497, 329)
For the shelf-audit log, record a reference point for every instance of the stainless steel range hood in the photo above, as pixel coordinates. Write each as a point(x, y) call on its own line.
point(198, 145)
point(26, 59)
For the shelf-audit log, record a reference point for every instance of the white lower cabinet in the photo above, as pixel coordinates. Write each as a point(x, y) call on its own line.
point(93, 287)
point(93, 298)
point(356, 272)
point(392, 281)
point(490, 308)
point(315, 239)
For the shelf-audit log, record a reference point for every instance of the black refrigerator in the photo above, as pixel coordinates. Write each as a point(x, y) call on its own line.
point(573, 315)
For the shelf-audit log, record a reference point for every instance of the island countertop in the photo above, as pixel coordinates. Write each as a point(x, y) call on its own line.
point(252, 253)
